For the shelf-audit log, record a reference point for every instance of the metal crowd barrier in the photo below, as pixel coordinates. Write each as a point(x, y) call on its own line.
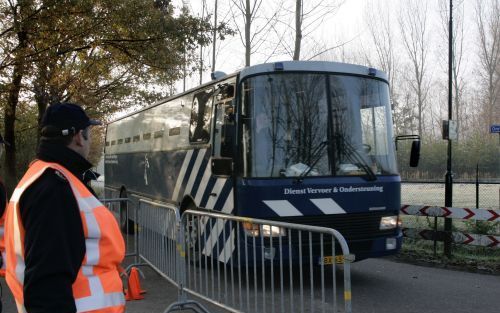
point(158, 235)
point(254, 265)
point(152, 236)
point(122, 207)
point(239, 264)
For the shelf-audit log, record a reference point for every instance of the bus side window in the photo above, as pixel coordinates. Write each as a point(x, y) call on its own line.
point(201, 110)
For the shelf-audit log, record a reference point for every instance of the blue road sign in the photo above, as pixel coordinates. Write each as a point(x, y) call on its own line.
point(495, 129)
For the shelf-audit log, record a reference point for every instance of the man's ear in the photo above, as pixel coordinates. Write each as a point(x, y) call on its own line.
point(78, 138)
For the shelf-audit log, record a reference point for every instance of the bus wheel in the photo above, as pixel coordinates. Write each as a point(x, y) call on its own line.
point(126, 225)
point(193, 241)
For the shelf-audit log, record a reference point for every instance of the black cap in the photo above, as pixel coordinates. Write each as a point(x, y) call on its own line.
point(64, 119)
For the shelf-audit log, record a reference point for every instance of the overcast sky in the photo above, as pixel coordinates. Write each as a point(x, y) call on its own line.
point(346, 27)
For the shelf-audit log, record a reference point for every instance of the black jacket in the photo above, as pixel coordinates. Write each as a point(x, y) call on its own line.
point(3, 198)
point(54, 240)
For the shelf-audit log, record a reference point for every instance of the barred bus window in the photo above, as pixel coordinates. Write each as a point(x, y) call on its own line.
point(136, 138)
point(146, 136)
point(127, 140)
point(201, 116)
point(158, 134)
point(113, 142)
point(120, 141)
point(174, 131)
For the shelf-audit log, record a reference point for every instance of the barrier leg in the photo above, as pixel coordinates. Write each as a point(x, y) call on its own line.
point(186, 305)
point(183, 303)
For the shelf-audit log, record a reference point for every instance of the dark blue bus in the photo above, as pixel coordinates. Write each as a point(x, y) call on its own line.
point(300, 142)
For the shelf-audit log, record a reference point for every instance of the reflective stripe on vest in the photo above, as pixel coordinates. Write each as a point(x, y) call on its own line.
point(2, 244)
point(98, 286)
point(2, 232)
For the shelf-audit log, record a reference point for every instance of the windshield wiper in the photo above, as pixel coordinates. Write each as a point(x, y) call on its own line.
point(316, 157)
point(353, 154)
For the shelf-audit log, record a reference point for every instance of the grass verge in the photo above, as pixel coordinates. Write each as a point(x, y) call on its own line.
point(467, 258)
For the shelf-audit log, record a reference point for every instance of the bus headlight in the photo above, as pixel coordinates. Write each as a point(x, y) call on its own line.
point(267, 230)
point(388, 222)
point(251, 229)
point(272, 231)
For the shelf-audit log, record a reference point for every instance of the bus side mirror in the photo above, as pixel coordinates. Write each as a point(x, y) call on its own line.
point(415, 148)
point(415, 153)
point(222, 166)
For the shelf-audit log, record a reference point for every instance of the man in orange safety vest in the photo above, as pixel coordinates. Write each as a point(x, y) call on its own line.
point(64, 247)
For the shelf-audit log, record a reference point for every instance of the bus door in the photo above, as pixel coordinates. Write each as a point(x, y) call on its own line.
point(225, 126)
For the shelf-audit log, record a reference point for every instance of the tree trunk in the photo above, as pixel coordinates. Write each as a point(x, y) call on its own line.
point(9, 126)
point(214, 37)
point(41, 93)
point(248, 22)
point(298, 29)
point(13, 90)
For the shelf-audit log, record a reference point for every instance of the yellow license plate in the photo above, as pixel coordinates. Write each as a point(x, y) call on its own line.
point(327, 260)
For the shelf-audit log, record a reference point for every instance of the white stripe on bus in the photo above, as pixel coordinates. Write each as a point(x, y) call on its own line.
point(328, 206)
point(194, 172)
point(227, 208)
point(182, 173)
point(215, 193)
point(203, 185)
point(228, 249)
point(283, 208)
point(218, 226)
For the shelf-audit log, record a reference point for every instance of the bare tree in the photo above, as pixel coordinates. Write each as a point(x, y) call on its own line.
point(381, 30)
point(307, 17)
point(488, 23)
point(413, 23)
point(299, 16)
point(256, 25)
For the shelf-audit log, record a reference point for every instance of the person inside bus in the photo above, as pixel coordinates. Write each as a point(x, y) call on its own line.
point(200, 117)
point(229, 129)
point(70, 247)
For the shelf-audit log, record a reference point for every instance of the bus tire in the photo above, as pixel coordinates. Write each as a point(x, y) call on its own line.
point(126, 224)
point(192, 234)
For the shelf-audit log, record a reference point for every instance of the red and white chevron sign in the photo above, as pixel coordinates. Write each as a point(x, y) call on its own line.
point(460, 213)
point(476, 240)
point(458, 238)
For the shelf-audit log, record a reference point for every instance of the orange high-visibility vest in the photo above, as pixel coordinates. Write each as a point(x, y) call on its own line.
point(98, 286)
point(2, 231)
point(2, 243)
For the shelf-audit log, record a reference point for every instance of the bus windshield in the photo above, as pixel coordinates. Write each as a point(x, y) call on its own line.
point(312, 124)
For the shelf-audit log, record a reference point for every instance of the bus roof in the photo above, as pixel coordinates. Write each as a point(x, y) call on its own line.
point(313, 66)
point(285, 66)
point(177, 95)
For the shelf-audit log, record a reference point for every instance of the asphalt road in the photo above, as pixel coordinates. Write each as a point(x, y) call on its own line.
point(378, 286)
point(386, 286)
